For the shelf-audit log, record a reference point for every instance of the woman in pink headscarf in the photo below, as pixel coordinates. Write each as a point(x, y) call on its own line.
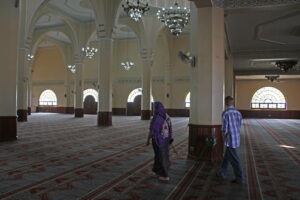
point(161, 134)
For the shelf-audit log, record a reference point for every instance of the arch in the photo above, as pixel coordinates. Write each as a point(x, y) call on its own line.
point(91, 92)
point(268, 98)
point(48, 98)
point(187, 102)
point(134, 93)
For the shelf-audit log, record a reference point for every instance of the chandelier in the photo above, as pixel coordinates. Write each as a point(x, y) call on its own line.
point(72, 68)
point(175, 18)
point(127, 65)
point(135, 10)
point(89, 52)
point(286, 65)
point(30, 57)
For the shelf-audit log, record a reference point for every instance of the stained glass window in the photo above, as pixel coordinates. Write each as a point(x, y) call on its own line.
point(188, 100)
point(135, 93)
point(91, 92)
point(48, 98)
point(268, 98)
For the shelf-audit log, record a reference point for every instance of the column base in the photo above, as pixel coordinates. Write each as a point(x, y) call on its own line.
point(197, 143)
point(78, 112)
point(29, 111)
point(145, 114)
point(104, 118)
point(8, 128)
point(22, 115)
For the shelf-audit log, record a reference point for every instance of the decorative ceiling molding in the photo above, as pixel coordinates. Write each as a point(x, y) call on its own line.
point(259, 29)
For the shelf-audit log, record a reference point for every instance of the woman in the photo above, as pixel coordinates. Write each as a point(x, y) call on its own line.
point(161, 134)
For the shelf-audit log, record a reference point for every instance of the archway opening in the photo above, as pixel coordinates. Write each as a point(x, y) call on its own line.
point(90, 99)
point(187, 101)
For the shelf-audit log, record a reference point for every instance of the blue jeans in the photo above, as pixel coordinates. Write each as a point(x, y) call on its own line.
point(232, 157)
point(161, 158)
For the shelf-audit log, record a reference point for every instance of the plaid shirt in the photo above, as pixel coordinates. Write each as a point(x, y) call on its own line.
point(231, 124)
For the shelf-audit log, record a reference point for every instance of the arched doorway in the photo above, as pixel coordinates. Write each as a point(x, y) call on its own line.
point(134, 102)
point(90, 98)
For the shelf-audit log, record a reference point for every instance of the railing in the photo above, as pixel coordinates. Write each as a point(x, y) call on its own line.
point(268, 105)
point(47, 103)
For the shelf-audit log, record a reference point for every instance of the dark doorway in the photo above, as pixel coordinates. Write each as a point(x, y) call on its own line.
point(90, 105)
point(134, 108)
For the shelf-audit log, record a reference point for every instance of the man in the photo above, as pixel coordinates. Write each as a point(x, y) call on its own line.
point(231, 124)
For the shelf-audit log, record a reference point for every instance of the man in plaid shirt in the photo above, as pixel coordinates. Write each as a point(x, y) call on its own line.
point(231, 125)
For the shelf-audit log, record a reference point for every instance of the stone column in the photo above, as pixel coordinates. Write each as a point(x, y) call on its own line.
point(207, 82)
point(229, 80)
point(23, 78)
point(29, 89)
point(8, 69)
point(105, 82)
point(69, 107)
point(168, 83)
point(146, 89)
point(78, 98)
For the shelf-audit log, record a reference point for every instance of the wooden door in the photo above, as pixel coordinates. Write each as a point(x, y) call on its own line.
point(90, 105)
point(134, 108)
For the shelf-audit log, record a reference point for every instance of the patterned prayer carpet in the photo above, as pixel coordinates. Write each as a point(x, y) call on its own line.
point(61, 157)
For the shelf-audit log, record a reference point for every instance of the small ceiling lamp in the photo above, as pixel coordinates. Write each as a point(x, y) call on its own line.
point(89, 52)
point(135, 9)
point(286, 65)
point(30, 57)
point(72, 68)
point(175, 18)
point(273, 78)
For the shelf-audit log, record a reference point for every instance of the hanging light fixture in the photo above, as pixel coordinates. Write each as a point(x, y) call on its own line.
point(72, 68)
point(89, 52)
point(127, 65)
point(135, 10)
point(30, 57)
point(175, 18)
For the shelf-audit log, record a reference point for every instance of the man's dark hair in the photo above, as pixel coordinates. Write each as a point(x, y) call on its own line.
point(228, 101)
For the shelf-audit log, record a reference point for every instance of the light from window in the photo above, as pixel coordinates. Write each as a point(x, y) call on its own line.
point(134, 93)
point(48, 98)
point(188, 100)
point(91, 92)
point(268, 98)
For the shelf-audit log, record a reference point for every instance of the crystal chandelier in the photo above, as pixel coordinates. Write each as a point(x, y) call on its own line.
point(30, 57)
point(127, 65)
point(135, 10)
point(72, 68)
point(175, 18)
point(89, 52)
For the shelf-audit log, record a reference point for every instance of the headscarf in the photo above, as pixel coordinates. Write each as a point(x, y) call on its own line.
point(157, 122)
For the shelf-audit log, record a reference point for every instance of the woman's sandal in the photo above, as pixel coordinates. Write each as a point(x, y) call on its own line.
point(164, 178)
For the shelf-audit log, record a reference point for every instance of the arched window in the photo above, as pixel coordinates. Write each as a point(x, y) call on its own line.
point(91, 92)
point(268, 98)
point(48, 98)
point(134, 93)
point(188, 100)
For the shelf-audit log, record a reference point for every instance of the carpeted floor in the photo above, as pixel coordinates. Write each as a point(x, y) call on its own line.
point(59, 157)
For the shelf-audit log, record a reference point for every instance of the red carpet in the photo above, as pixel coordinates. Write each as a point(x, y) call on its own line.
point(60, 157)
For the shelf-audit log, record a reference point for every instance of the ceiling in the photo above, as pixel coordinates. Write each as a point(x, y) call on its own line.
point(262, 77)
point(258, 32)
